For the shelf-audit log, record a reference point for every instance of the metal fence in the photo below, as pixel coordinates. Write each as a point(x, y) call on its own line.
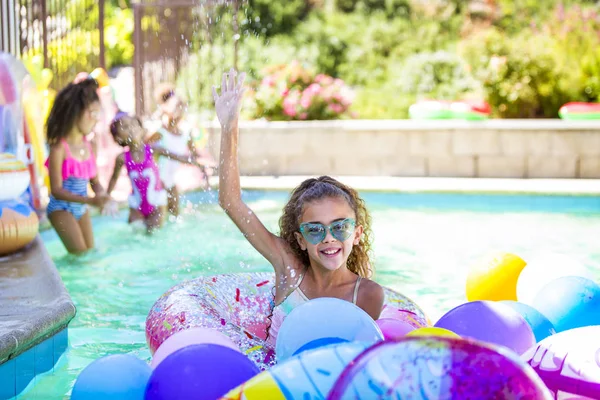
point(173, 35)
point(66, 36)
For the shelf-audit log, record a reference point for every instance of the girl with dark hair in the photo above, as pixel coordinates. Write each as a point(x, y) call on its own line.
point(324, 243)
point(72, 165)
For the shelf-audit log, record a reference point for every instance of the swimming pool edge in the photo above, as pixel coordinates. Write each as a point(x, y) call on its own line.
point(36, 310)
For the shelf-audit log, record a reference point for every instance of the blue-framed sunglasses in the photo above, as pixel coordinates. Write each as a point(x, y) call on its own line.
point(316, 232)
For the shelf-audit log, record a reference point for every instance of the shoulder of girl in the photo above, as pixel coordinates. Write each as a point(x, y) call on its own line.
point(371, 289)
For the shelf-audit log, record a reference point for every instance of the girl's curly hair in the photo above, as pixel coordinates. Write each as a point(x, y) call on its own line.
point(70, 103)
point(320, 188)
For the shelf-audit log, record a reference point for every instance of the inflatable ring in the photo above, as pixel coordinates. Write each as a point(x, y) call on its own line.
point(580, 111)
point(442, 109)
point(18, 225)
point(237, 305)
point(14, 177)
point(569, 362)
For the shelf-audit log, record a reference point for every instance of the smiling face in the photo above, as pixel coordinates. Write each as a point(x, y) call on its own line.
point(330, 253)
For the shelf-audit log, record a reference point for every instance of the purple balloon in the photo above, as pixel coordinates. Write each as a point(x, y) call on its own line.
point(199, 372)
point(490, 322)
point(188, 337)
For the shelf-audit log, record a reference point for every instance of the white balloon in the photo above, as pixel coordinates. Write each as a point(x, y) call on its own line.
point(543, 269)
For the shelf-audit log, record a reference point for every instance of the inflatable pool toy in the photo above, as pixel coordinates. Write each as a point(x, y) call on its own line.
point(437, 368)
point(411, 368)
point(323, 321)
point(490, 322)
point(14, 177)
point(310, 375)
point(237, 305)
point(542, 269)
point(8, 90)
point(569, 363)
point(495, 278)
point(18, 225)
point(443, 109)
point(580, 111)
point(18, 222)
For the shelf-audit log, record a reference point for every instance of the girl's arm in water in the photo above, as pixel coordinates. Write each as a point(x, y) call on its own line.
point(228, 106)
point(119, 162)
point(55, 162)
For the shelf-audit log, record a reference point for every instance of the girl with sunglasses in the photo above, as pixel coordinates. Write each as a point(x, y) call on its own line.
point(72, 164)
point(324, 242)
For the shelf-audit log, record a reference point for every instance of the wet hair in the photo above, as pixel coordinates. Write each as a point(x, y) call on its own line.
point(69, 105)
point(117, 121)
point(324, 187)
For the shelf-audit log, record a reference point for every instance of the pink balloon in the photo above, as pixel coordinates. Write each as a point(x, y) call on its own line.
point(188, 337)
point(393, 328)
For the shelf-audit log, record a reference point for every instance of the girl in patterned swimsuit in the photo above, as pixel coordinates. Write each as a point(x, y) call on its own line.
point(148, 199)
point(72, 165)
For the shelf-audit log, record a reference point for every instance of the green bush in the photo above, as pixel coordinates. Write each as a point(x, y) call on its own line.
point(268, 18)
point(118, 36)
point(520, 75)
point(441, 75)
point(391, 8)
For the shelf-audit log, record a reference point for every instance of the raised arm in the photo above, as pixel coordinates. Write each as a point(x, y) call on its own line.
point(228, 106)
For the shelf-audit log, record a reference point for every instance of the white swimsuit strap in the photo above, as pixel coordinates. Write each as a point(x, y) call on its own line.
point(355, 296)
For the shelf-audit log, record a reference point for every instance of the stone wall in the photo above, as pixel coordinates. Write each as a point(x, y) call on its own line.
point(494, 148)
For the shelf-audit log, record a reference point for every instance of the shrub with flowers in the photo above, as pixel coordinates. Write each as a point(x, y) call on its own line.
point(292, 92)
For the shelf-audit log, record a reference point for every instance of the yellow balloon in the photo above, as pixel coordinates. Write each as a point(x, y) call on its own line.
point(262, 386)
point(46, 78)
point(495, 278)
point(432, 331)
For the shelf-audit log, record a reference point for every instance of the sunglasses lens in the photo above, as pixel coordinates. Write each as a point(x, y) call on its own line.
point(342, 230)
point(314, 233)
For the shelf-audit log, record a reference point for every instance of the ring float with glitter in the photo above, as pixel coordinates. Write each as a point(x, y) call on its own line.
point(238, 305)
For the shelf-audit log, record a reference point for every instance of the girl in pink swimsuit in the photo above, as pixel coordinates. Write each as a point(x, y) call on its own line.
point(148, 199)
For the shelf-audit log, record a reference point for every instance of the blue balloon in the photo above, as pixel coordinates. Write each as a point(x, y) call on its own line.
point(199, 372)
point(569, 302)
point(540, 325)
point(115, 377)
point(315, 344)
point(321, 318)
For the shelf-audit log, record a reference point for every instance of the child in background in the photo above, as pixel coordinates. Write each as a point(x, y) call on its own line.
point(72, 165)
point(174, 139)
point(148, 199)
point(324, 242)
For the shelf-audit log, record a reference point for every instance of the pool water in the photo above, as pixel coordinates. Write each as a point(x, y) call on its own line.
point(423, 246)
